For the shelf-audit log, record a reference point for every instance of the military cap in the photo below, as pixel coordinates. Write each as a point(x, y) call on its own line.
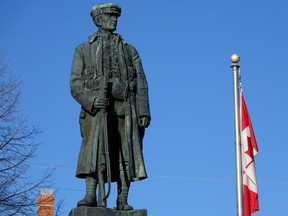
point(105, 8)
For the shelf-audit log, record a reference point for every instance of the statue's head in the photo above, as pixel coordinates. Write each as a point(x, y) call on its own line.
point(105, 16)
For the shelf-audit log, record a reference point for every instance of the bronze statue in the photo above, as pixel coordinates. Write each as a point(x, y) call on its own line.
point(109, 83)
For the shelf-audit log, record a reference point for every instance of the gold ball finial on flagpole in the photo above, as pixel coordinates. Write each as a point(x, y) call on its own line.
point(235, 58)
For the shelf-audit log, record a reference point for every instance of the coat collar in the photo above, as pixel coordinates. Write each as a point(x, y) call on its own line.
point(92, 38)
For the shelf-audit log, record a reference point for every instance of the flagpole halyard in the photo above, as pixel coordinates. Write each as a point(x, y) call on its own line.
point(239, 185)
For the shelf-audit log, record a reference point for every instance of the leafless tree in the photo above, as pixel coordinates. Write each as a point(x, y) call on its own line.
point(18, 191)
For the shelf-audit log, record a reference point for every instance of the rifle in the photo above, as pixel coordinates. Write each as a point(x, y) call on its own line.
point(104, 135)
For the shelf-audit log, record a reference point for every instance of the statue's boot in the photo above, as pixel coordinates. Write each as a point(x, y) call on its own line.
point(102, 202)
point(90, 196)
point(123, 189)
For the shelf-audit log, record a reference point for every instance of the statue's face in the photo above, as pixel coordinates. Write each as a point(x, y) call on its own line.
point(108, 22)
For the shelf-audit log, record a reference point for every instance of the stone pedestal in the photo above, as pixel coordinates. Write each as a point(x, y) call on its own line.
point(94, 211)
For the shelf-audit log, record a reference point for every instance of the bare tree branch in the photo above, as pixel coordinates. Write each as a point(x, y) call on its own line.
point(18, 191)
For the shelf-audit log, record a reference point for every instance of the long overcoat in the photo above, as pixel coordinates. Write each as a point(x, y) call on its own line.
point(85, 82)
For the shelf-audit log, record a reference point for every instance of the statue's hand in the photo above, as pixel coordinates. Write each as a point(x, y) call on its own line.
point(100, 103)
point(143, 121)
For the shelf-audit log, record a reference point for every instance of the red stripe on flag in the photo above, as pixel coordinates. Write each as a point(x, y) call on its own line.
point(250, 203)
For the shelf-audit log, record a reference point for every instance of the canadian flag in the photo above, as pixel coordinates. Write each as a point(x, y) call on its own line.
point(249, 150)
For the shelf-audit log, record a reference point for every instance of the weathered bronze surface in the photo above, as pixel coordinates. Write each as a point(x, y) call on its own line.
point(109, 83)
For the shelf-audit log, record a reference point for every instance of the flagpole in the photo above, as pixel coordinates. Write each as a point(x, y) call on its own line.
point(239, 185)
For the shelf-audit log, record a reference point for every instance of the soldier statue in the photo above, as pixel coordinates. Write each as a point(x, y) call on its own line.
point(109, 83)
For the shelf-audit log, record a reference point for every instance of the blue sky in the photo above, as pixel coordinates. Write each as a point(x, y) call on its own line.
point(185, 47)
